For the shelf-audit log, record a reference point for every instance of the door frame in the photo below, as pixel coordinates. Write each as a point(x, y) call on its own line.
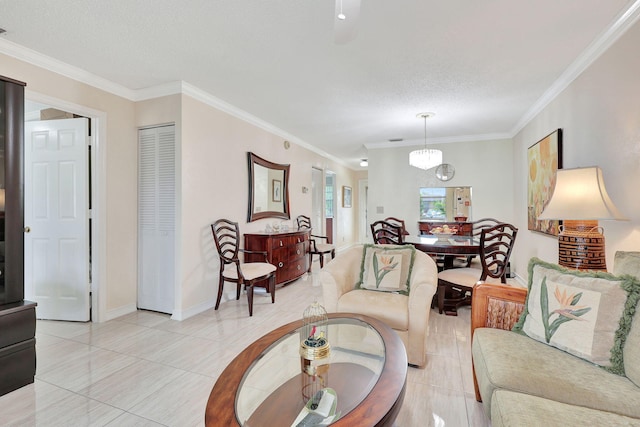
point(363, 200)
point(98, 248)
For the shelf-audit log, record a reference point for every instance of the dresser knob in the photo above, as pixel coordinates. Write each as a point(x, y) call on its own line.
point(298, 266)
point(280, 242)
point(280, 265)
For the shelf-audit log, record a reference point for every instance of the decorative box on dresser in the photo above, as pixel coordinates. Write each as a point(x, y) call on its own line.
point(287, 250)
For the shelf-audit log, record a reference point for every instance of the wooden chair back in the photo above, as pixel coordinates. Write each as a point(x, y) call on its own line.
point(303, 222)
point(483, 223)
point(386, 233)
point(496, 244)
point(399, 222)
point(226, 234)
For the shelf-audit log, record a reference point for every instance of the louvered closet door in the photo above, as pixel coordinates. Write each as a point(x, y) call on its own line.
point(156, 218)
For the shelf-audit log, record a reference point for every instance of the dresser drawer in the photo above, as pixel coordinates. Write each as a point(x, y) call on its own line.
point(295, 269)
point(298, 250)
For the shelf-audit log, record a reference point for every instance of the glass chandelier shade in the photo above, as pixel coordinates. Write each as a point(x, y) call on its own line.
point(426, 158)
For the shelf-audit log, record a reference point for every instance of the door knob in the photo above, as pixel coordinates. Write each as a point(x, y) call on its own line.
point(27, 229)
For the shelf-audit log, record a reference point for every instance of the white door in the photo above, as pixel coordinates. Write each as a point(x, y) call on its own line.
point(156, 218)
point(56, 218)
point(317, 201)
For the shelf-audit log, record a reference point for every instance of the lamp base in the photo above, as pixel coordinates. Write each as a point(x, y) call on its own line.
point(581, 245)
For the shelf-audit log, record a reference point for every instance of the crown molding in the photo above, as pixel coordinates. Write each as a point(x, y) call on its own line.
point(177, 87)
point(625, 20)
point(212, 101)
point(39, 60)
point(443, 140)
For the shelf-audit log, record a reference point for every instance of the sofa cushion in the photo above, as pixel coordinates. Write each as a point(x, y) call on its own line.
point(387, 268)
point(626, 262)
point(506, 360)
point(389, 308)
point(629, 263)
point(632, 352)
point(519, 409)
point(578, 312)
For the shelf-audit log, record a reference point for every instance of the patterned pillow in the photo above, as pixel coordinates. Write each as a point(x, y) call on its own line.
point(386, 268)
point(579, 312)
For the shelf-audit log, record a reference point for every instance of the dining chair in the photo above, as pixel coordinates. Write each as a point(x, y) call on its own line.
point(455, 285)
point(386, 233)
point(478, 226)
point(398, 221)
point(226, 235)
point(315, 248)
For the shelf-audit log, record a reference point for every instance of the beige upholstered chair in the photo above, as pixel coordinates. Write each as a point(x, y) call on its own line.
point(407, 315)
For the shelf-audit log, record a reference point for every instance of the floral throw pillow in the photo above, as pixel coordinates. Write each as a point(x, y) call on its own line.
point(577, 312)
point(386, 268)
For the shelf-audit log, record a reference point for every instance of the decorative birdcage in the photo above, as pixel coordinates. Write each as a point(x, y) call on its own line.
point(314, 339)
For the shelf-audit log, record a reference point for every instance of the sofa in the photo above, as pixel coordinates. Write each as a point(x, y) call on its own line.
point(405, 311)
point(526, 379)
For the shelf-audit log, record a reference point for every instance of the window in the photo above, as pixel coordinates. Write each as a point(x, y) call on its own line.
point(329, 197)
point(433, 203)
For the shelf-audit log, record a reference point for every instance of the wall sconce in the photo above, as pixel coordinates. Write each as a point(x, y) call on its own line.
point(581, 196)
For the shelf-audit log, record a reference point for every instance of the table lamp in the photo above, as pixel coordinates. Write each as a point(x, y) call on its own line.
point(580, 199)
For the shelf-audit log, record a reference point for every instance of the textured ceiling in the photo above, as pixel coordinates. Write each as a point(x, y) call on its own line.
point(481, 66)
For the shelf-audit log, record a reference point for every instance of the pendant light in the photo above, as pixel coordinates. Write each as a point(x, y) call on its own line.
point(425, 158)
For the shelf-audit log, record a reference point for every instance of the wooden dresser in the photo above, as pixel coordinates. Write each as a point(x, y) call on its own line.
point(464, 228)
point(288, 251)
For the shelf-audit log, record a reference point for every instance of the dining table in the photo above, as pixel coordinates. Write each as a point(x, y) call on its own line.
point(449, 247)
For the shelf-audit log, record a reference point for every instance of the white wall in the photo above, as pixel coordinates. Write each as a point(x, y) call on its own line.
point(486, 166)
point(215, 182)
point(600, 117)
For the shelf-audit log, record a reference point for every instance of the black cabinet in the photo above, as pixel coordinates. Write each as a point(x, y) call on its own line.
point(11, 191)
point(17, 317)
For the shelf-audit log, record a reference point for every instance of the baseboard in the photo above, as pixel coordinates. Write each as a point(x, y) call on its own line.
point(192, 311)
point(120, 311)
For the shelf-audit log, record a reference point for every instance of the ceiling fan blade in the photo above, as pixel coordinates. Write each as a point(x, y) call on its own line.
point(346, 29)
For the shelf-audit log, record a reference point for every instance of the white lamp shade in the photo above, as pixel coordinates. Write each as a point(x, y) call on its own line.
point(580, 194)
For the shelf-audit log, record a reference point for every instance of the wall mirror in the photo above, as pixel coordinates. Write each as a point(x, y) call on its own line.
point(445, 203)
point(268, 189)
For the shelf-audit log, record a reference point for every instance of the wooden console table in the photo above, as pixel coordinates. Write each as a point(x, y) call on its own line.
point(287, 250)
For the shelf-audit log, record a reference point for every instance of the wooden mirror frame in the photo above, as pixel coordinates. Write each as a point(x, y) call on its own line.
point(257, 160)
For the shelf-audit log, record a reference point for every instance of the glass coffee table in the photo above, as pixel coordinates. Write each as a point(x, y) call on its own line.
point(268, 385)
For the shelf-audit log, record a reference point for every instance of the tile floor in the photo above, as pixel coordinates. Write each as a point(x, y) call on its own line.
point(144, 369)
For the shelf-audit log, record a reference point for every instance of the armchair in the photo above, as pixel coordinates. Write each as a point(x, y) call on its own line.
point(407, 315)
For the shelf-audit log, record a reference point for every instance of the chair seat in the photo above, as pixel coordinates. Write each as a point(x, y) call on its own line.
point(324, 248)
point(468, 276)
point(388, 307)
point(250, 270)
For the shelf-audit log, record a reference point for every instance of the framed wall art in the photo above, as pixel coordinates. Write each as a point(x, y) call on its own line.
point(346, 196)
point(276, 190)
point(544, 158)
